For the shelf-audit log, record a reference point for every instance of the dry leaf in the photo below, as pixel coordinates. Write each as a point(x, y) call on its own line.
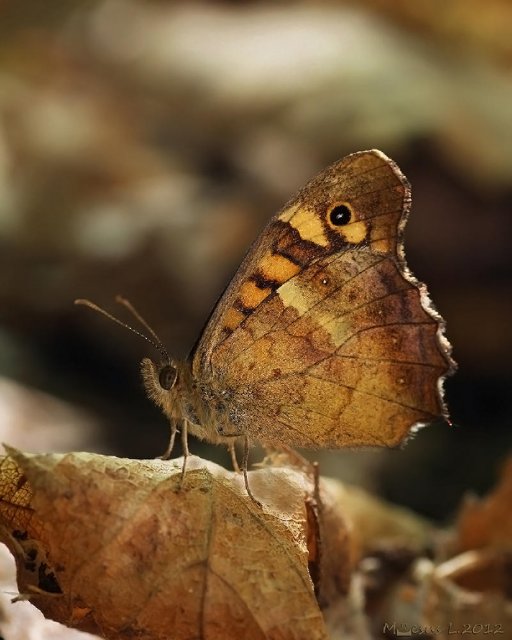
point(112, 546)
point(387, 539)
point(488, 522)
point(376, 523)
point(470, 594)
point(21, 620)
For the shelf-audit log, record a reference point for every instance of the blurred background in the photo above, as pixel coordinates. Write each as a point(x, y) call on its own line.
point(143, 145)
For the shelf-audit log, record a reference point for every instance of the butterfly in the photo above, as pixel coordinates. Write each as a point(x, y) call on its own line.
point(323, 338)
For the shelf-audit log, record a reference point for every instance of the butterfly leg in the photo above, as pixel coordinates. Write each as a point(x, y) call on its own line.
point(245, 461)
point(186, 452)
point(167, 453)
point(232, 453)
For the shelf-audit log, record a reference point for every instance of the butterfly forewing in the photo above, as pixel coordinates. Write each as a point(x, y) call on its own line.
point(378, 194)
point(323, 338)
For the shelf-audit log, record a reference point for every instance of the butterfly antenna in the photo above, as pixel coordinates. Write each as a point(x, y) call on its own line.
point(156, 343)
point(126, 303)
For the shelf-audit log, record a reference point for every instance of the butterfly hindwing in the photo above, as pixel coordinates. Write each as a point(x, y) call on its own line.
point(336, 364)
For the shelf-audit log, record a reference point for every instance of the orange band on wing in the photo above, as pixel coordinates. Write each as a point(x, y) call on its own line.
point(232, 319)
point(277, 268)
point(251, 294)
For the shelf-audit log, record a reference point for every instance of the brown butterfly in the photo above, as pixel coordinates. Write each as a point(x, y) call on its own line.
point(323, 339)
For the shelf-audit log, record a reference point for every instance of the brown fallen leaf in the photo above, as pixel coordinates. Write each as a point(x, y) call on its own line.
point(113, 546)
point(378, 524)
point(471, 592)
point(487, 522)
point(332, 555)
point(21, 620)
point(385, 542)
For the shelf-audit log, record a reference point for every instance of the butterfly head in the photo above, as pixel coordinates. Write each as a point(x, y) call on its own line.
point(170, 385)
point(162, 382)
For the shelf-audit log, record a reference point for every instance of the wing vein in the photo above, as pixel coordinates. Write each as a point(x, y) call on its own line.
point(278, 316)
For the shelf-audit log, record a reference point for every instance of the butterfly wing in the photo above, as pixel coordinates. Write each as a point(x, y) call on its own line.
point(323, 338)
point(343, 355)
point(300, 233)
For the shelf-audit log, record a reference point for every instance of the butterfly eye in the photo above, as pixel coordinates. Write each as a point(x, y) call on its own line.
point(340, 215)
point(167, 377)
